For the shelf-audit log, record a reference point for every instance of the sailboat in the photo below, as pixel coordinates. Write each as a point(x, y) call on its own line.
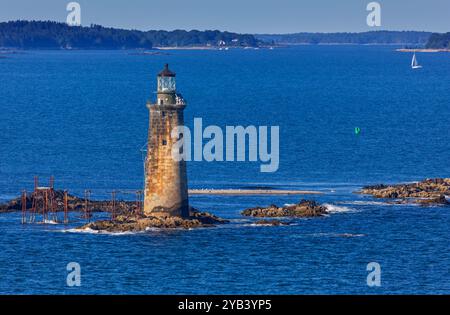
point(414, 63)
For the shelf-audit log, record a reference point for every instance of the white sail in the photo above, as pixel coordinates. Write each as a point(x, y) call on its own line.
point(414, 63)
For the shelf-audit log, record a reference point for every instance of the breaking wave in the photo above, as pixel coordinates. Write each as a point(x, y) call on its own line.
point(337, 209)
point(271, 225)
point(50, 222)
point(376, 203)
point(91, 231)
point(339, 234)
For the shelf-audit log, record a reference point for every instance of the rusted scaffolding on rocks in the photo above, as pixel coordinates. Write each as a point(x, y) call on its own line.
point(139, 203)
point(24, 206)
point(138, 210)
point(66, 207)
point(87, 209)
point(43, 202)
point(113, 205)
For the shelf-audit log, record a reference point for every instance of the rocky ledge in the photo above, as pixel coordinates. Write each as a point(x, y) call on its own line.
point(305, 208)
point(74, 203)
point(128, 223)
point(426, 192)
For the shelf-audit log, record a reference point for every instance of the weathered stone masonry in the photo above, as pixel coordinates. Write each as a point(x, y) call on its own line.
point(166, 191)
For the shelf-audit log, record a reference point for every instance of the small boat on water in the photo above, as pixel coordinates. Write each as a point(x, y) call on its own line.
point(414, 63)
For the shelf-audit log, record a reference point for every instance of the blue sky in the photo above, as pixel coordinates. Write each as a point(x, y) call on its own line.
point(244, 16)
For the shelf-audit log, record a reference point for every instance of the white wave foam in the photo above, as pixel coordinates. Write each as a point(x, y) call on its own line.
point(86, 230)
point(49, 222)
point(337, 209)
point(338, 235)
point(154, 229)
point(147, 229)
point(239, 220)
point(256, 225)
point(366, 203)
point(91, 231)
point(376, 203)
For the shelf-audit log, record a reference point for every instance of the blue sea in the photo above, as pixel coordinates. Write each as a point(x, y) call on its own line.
point(81, 116)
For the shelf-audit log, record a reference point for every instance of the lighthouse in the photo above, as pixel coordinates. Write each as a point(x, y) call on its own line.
point(166, 192)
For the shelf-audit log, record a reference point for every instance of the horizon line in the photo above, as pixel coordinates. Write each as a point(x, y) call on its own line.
point(204, 30)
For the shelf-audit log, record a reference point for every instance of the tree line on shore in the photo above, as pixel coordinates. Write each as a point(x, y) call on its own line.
point(55, 35)
point(363, 38)
point(439, 41)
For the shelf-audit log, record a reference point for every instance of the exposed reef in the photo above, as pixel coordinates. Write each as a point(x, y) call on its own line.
point(305, 208)
point(426, 192)
point(73, 204)
point(130, 223)
point(127, 217)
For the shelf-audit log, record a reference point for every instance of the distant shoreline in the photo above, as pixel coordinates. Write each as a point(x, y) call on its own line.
point(154, 51)
point(211, 47)
point(426, 50)
point(251, 192)
point(186, 48)
point(58, 35)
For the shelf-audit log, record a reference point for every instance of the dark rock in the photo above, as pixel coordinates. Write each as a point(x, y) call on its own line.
point(205, 217)
point(427, 192)
point(305, 208)
point(131, 223)
point(433, 201)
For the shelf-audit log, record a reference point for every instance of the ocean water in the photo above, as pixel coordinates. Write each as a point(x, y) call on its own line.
point(81, 116)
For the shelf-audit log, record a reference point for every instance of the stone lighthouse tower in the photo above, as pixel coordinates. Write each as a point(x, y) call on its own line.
point(165, 178)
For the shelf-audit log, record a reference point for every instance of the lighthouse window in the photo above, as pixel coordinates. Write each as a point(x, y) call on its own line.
point(164, 142)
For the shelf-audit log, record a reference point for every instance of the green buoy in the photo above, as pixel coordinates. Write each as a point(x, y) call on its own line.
point(357, 130)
